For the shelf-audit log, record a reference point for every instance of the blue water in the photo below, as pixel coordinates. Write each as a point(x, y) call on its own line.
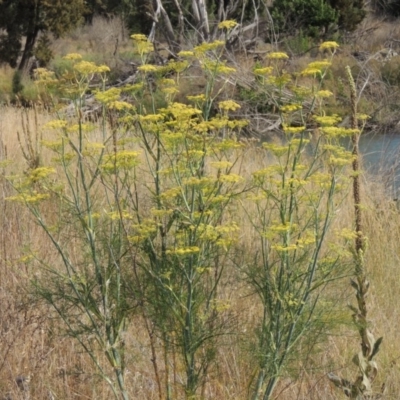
point(381, 160)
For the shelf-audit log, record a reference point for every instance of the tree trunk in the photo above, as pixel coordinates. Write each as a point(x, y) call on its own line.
point(201, 16)
point(28, 49)
point(173, 44)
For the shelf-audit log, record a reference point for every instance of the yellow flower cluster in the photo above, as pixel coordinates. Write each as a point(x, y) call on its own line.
point(121, 106)
point(221, 164)
point(264, 71)
point(198, 182)
point(40, 173)
point(268, 171)
point(93, 149)
point(230, 178)
point(280, 80)
point(322, 94)
point(144, 230)
point(334, 131)
point(151, 118)
point(320, 64)
point(55, 145)
point(307, 238)
point(347, 234)
point(327, 120)
point(170, 91)
point(124, 159)
point(139, 37)
point(284, 249)
point(30, 198)
point(44, 76)
point(88, 68)
point(56, 124)
point(142, 44)
point(186, 53)
point(293, 129)
point(227, 24)
point(73, 57)
point(289, 108)
point(183, 251)
point(83, 127)
point(276, 149)
point(133, 88)
point(223, 235)
point(197, 98)
point(328, 46)
point(277, 56)
point(194, 154)
point(171, 193)
point(302, 91)
point(338, 155)
point(280, 228)
point(321, 179)
point(228, 105)
point(316, 68)
point(227, 144)
point(363, 117)
point(220, 199)
point(217, 67)
point(312, 71)
point(339, 162)
point(159, 213)
point(117, 215)
point(148, 68)
point(177, 66)
point(108, 96)
point(205, 47)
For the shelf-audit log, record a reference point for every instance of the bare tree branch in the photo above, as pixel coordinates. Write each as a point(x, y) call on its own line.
point(168, 31)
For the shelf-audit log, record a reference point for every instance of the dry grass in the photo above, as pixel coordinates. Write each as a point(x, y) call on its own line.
point(32, 341)
point(376, 33)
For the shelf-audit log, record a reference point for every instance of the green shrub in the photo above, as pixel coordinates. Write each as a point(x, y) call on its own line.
point(309, 16)
point(316, 17)
point(17, 85)
point(43, 52)
point(390, 71)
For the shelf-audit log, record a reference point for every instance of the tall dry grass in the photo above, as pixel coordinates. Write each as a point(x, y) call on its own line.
point(32, 342)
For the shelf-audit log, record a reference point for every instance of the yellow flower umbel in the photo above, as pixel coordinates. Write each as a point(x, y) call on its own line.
point(322, 94)
point(73, 57)
point(263, 71)
point(293, 129)
point(206, 47)
point(228, 105)
point(227, 24)
point(277, 56)
point(316, 68)
point(329, 46)
point(142, 45)
point(147, 68)
point(89, 68)
point(124, 159)
point(289, 108)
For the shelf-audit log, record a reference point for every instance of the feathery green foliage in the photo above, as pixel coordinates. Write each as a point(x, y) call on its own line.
point(143, 217)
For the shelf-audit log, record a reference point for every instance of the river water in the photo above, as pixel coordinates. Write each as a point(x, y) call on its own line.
point(381, 160)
